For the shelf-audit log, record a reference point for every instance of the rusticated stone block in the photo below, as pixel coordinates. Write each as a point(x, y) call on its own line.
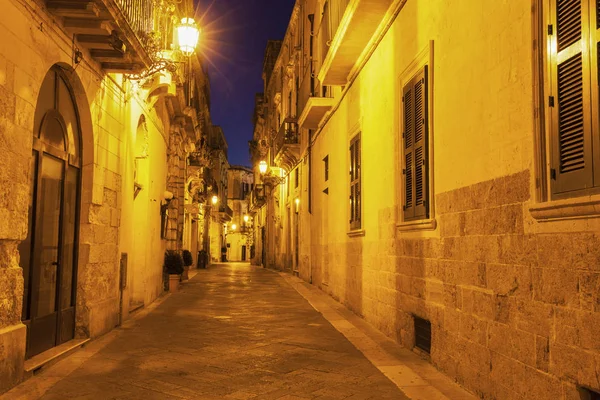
point(475, 222)
point(586, 251)
point(403, 283)
point(451, 248)
point(452, 224)
point(417, 286)
point(572, 363)
point(451, 271)
point(516, 188)
point(433, 269)
point(532, 316)
point(472, 273)
point(473, 329)
point(512, 343)
point(450, 297)
point(12, 355)
point(452, 320)
point(518, 249)
point(542, 353)
point(472, 354)
point(589, 291)
point(555, 286)
point(442, 203)
point(478, 303)
point(11, 294)
point(555, 251)
point(501, 278)
point(434, 291)
point(502, 309)
point(7, 104)
point(525, 380)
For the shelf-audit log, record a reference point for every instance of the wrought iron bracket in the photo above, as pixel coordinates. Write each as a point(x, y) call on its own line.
point(160, 65)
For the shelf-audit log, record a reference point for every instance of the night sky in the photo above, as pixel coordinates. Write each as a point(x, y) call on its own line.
point(233, 40)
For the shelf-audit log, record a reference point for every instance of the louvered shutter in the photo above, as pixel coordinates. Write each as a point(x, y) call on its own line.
point(420, 146)
point(571, 133)
point(352, 198)
point(408, 141)
point(355, 191)
point(415, 135)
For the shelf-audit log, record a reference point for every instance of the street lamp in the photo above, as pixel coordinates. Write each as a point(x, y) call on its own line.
point(246, 218)
point(233, 226)
point(187, 35)
point(262, 167)
point(215, 199)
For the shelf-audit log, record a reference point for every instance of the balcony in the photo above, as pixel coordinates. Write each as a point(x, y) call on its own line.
point(257, 198)
point(287, 144)
point(115, 32)
point(352, 24)
point(315, 102)
point(225, 213)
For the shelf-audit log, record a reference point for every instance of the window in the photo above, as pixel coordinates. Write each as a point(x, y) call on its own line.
point(415, 163)
point(326, 167)
point(355, 194)
point(573, 98)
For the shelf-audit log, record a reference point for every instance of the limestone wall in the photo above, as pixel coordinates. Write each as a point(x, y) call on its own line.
point(32, 43)
point(513, 302)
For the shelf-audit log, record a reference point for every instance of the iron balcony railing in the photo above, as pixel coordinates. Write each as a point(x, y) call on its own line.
point(139, 14)
point(257, 197)
point(288, 134)
point(226, 210)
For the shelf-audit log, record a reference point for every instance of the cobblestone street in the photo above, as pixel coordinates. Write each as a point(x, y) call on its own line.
point(233, 331)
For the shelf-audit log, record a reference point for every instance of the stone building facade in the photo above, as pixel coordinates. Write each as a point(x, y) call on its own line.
point(447, 181)
point(95, 140)
point(240, 232)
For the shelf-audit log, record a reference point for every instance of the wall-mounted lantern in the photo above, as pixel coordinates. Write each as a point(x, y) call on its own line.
point(262, 167)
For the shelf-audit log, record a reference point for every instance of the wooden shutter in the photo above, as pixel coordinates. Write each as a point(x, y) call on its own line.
point(571, 133)
point(408, 160)
point(355, 189)
point(415, 135)
point(421, 133)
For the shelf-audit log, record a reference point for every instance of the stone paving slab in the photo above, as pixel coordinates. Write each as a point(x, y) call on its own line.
point(234, 331)
point(416, 377)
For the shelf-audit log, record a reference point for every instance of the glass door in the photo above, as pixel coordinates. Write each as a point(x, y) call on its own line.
point(49, 253)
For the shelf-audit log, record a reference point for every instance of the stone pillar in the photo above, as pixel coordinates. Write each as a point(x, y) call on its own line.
point(12, 331)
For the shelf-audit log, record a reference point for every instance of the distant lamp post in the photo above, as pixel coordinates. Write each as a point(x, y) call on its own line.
point(233, 227)
point(187, 35)
point(297, 201)
point(246, 218)
point(215, 199)
point(262, 167)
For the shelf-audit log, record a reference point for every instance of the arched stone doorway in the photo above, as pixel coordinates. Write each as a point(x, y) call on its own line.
point(49, 253)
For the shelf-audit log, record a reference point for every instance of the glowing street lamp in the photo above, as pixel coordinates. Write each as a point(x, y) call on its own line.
point(246, 218)
point(233, 227)
point(187, 35)
point(215, 199)
point(262, 167)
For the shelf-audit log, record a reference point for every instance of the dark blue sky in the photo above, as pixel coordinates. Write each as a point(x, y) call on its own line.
point(233, 39)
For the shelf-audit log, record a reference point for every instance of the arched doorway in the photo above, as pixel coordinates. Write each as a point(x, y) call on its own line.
point(49, 253)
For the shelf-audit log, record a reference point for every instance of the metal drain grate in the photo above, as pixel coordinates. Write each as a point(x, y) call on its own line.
point(423, 334)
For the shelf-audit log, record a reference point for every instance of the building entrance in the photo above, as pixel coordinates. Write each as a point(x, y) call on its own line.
point(49, 253)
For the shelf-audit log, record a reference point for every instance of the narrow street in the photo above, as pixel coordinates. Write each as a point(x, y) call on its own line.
point(234, 331)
